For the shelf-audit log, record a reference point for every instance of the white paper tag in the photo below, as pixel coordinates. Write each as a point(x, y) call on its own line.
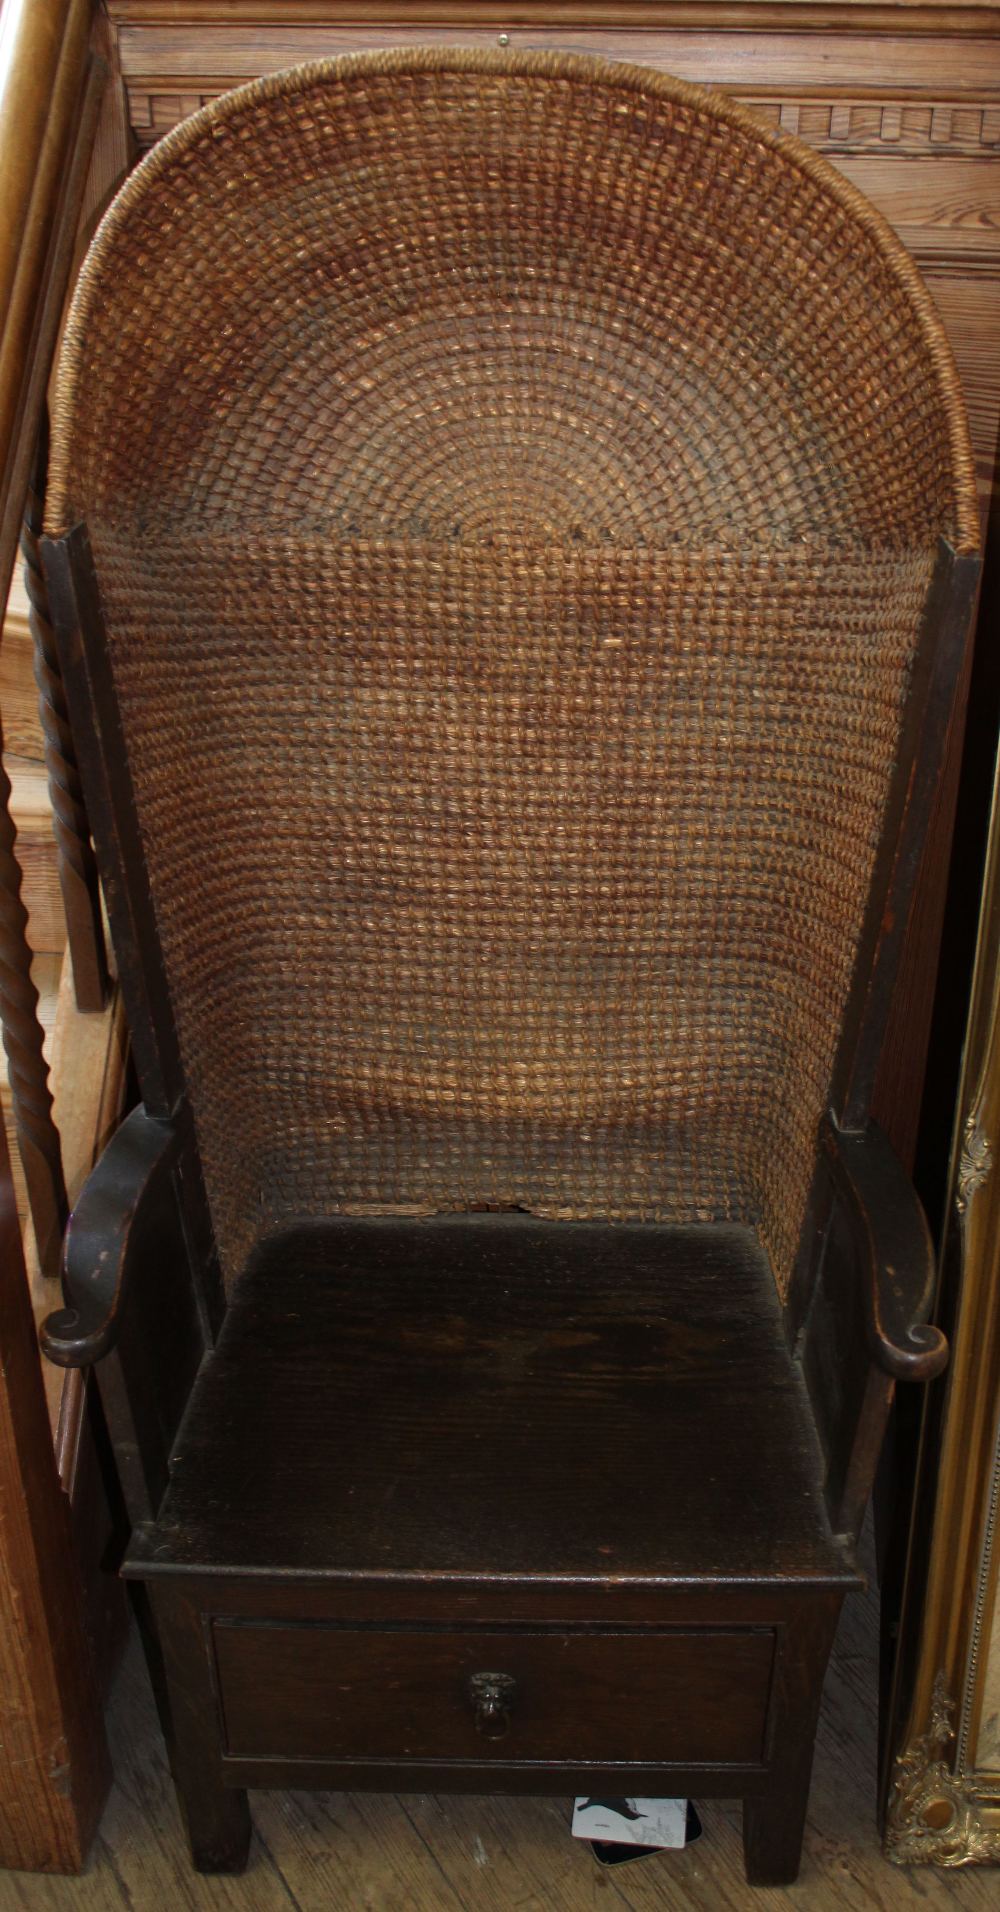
point(631, 1822)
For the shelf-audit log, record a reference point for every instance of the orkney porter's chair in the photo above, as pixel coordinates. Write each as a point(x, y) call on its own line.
point(512, 534)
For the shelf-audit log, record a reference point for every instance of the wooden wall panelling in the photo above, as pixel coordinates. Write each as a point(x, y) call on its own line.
point(170, 70)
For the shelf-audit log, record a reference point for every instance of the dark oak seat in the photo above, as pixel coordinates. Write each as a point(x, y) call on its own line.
point(500, 1396)
point(495, 1503)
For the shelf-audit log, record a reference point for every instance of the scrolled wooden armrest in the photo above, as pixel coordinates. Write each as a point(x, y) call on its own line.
point(104, 1237)
point(895, 1250)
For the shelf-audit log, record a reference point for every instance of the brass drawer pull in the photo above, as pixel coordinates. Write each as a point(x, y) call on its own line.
point(492, 1696)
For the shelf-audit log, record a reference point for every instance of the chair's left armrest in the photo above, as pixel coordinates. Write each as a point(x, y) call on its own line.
point(118, 1206)
point(894, 1248)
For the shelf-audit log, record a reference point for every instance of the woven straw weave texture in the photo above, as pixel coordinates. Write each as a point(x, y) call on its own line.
point(514, 487)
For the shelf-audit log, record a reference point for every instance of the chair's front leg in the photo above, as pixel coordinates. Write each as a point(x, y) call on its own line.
point(216, 1816)
point(774, 1821)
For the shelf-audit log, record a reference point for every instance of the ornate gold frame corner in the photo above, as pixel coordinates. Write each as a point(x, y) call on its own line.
point(935, 1816)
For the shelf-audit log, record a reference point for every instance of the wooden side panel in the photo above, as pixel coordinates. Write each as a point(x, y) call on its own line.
point(54, 1765)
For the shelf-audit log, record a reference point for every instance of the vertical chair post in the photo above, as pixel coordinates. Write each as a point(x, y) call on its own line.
point(77, 863)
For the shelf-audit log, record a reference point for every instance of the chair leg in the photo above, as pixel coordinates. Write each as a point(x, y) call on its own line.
point(773, 1826)
point(218, 1827)
point(774, 1822)
point(216, 1816)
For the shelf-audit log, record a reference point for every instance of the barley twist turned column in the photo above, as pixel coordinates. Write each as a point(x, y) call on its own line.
point(37, 1136)
point(77, 865)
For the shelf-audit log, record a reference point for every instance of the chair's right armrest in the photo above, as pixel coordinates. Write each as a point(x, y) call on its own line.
point(866, 1327)
point(895, 1253)
point(128, 1195)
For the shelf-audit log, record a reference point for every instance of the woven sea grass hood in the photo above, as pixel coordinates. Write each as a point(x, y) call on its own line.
point(514, 484)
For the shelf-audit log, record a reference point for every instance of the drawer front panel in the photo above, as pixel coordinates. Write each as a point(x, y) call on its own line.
point(343, 1693)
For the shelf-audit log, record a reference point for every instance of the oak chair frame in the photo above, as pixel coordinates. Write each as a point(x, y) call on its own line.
point(145, 1306)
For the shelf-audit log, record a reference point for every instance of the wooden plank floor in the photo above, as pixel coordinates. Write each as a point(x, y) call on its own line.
point(317, 1851)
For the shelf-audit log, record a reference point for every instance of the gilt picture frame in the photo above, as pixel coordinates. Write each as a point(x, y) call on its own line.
point(943, 1799)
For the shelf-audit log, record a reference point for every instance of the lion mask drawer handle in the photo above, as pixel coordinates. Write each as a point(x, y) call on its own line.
point(492, 1696)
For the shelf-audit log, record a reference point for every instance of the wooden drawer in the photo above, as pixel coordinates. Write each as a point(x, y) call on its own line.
point(313, 1691)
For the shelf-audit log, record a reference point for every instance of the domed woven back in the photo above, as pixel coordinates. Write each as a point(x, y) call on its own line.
point(514, 485)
